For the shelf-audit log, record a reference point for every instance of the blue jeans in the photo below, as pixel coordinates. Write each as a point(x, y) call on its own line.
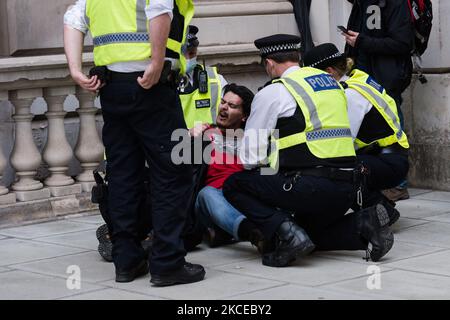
point(213, 209)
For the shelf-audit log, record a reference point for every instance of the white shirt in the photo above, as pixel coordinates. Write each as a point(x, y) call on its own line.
point(75, 17)
point(357, 108)
point(269, 104)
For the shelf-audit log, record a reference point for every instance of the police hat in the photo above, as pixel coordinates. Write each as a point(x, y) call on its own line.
point(192, 40)
point(277, 43)
point(322, 56)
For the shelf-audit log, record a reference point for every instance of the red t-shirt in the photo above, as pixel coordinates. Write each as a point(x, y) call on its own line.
point(223, 163)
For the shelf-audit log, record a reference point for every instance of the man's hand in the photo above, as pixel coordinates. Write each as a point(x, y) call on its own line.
point(89, 84)
point(351, 37)
point(198, 129)
point(151, 75)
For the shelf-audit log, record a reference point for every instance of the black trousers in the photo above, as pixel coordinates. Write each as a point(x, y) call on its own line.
point(386, 171)
point(318, 205)
point(138, 125)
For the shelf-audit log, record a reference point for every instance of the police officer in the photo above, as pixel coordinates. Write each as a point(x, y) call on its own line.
point(315, 158)
point(140, 111)
point(380, 143)
point(201, 88)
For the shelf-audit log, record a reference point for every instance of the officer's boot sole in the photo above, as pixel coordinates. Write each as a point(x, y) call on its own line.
point(105, 250)
point(102, 233)
point(165, 281)
point(386, 241)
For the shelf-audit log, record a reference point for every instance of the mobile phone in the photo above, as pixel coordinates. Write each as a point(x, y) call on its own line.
point(343, 29)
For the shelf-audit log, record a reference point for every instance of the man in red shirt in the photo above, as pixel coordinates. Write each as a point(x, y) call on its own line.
point(216, 213)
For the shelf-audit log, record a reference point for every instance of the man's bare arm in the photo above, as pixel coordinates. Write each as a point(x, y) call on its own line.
point(159, 28)
point(73, 46)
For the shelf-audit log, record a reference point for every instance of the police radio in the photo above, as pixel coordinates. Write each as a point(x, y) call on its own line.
point(203, 80)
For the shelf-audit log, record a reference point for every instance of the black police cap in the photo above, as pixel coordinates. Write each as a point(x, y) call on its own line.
point(322, 56)
point(277, 43)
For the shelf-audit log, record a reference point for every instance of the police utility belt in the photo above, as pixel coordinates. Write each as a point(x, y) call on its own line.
point(168, 76)
point(351, 175)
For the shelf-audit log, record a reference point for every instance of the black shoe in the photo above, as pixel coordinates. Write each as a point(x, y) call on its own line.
point(373, 226)
point(104, 243)
point(216, 237)
point(127, 276)
point(393, 213)
point(102, 233)
point(188, 273)
point(105, 250)
point(292, 243)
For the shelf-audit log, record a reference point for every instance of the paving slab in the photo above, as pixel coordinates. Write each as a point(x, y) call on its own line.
point(212, 257)
point(4, 269)
point(111, 294)
point(20, 285)
point(82, 239)
point(92, 219)
point(435, 196)
point(413, 192)
point(45, 229)
point(401, 250)
point(435, 263)
point(93, 268)
point(430, 234)
point(15, 251)
point(216, 285)
point(445, 218)
point(398, 284)
point(404, 223)
point(296, 292)
point(311, 271)
point(419, 209)
point(2, 237)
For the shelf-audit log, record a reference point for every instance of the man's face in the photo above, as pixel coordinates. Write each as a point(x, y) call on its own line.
point(231, 114)
point(191, 53)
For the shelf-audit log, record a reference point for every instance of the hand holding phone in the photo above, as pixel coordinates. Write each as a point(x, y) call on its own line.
point(343, 29)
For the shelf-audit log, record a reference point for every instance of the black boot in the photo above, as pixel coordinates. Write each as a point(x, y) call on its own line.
point(373, 226)
point(292, 243)
point(393, 213)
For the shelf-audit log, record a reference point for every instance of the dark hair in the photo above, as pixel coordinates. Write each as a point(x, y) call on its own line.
point(343, 66)
point(281, 57)
point(242, 92)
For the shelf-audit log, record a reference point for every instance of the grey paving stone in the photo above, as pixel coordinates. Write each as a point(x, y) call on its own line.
point(92, 219)
point(45, 229)
point(311, 271)
point(440, 218)
point(437, 263)
point(211, 257)
point(296, 292)
point(435, 195)
point(15, 251)
point(419, 209)
point(398, 284)
point(20, 285)
point(83, 239)
point(404, 223)
point(111, 294)
point(413, 192)
point(4, 269)
point(216, 285)
point(93, 268)
point(430, 234)
point(2, 237)
point(400, 250)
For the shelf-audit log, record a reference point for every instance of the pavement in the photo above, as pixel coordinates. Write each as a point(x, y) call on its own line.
point(58, 260)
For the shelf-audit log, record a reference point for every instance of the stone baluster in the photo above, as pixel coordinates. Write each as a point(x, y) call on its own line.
point(58, 153)
point(25, 157)
point(89, 149)
point(5, 196)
